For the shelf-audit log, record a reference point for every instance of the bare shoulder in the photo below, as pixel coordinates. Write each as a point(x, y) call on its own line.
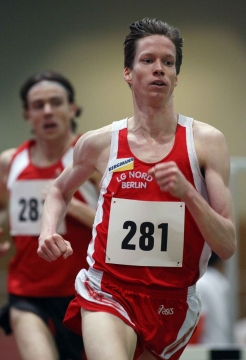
point(94, 147)
point(204, 132)
point(211, 146)
point(5, 159)
point(208, 137)
point(7, 155)
point(96, 137)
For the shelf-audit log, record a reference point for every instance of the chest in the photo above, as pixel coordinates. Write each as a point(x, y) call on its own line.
point(150, 150)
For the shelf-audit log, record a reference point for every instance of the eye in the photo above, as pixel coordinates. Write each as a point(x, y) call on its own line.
point(37, 105)
point(147, 61)
point(169, 63)
point(56, 102)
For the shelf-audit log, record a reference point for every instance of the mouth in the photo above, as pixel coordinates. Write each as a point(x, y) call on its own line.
point(159, 83)
point(50, 126)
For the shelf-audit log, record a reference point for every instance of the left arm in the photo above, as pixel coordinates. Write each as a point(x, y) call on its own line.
point(216, 219)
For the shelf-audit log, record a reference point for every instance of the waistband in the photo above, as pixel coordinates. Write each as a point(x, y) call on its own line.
point(109, 281)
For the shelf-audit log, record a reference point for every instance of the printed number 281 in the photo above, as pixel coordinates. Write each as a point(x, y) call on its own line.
point(146, 240)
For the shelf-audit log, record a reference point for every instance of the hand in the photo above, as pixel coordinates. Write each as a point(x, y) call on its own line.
point(4, 247)
point(54, 246)
point(170, 179)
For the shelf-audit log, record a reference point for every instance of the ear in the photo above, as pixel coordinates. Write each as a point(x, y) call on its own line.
point(127, 75)
point(26, 114)
point(176, 81)
point(73, 110)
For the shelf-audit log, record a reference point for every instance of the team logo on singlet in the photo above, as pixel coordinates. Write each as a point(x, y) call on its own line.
point(123, 164)
point(162, 310)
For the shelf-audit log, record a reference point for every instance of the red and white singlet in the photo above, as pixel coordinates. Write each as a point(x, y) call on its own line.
point(28, 274)
point(142, 235)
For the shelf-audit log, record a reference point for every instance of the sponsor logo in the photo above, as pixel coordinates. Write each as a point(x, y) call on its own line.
point(121, 165)
point(162, 310)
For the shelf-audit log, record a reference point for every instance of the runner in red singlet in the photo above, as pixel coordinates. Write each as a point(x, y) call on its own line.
point(164, 204)
point(39, 292)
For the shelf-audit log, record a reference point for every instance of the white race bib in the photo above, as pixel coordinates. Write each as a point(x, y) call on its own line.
point(145, 233)
point(26, 207)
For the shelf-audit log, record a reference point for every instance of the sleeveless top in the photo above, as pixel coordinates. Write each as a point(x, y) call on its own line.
point(142, 235)
point(28, 274)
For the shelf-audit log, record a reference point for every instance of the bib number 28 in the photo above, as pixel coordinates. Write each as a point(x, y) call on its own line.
point(29, 209)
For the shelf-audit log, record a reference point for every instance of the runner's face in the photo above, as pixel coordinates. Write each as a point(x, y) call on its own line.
point(153, 76)
point(49, 111)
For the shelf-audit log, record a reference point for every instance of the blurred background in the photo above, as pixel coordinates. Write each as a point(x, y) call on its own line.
point(83, 39)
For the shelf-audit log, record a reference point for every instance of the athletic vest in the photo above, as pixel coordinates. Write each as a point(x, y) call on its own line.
point(28, 274)
point(142, 235)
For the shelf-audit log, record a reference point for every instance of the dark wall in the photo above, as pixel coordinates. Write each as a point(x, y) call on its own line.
point(83, 39)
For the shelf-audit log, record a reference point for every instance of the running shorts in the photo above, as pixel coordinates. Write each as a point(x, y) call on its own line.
point(164, 319)
point(51, 311)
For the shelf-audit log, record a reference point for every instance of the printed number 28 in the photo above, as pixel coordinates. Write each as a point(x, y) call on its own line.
point(146, 240)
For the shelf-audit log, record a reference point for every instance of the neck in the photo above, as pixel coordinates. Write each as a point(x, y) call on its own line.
point(156, 119)
point(47, 152)
point(154, 124)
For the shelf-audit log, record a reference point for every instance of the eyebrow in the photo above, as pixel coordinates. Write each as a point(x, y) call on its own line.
point(152, 54)
point(51, 98)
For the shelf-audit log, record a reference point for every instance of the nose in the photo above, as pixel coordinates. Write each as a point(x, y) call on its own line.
point(47, 108)
point(158, 69)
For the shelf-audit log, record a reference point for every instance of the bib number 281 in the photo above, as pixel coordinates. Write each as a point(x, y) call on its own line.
point(146, 240)
point(145, 233)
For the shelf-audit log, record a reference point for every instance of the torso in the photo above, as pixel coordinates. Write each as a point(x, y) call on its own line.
point(125, 184)
point(30, 275)
point(155, 151)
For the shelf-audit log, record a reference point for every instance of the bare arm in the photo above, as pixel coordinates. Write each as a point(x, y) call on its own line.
point(82, 211)
point(88, 157)
point(5, 159)
point(216, 219)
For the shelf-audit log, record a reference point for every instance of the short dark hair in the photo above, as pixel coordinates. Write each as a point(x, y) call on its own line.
point(49, 75)
point(148, 27)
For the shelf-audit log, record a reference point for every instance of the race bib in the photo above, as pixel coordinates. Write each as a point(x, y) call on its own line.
point(145, 233)
point(26, 206)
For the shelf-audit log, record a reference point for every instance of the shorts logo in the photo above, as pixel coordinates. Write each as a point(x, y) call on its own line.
point(164, 311)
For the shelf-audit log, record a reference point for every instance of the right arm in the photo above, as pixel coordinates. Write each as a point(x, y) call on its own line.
point(90, 154)
point(5, 159)
point(82, 211)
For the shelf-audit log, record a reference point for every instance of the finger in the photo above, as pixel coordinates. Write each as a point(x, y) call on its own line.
point(57, 173)
point(167, 187)
point(57, 246)
point(52, 247)
point(45, 253)
point(165, 165)
point(42, 254)
point(69, 250)
point(152, 171)
point(60, 244)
